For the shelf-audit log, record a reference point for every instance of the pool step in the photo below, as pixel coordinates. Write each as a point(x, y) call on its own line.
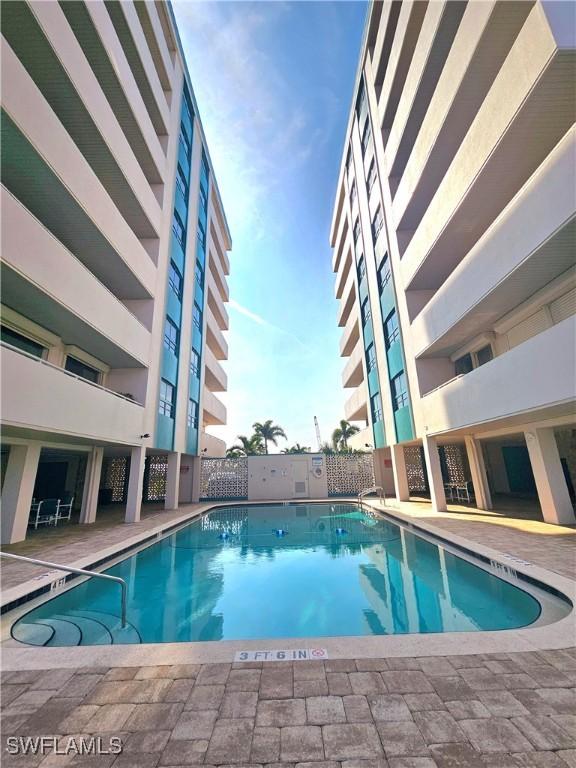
point(34, 633)
point(65, 632)
point(120, 636)
point(93, 632)
point(76, 628)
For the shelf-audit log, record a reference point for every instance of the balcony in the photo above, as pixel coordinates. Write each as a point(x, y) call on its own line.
point(347, 300)
point(536, 377)
point(527, 247)
point(216, 303)
point(346, 266)
point(356, 406)
point(215, 376)
point(211, 447)
point(215, 266)
point(59, 293)
point(360, 440)
point(107, 58)
point(214, 337)
point(131, 36)
point(351, 335)
point(527, 111)
point(219, 246)
point(353, 373)
point(40, 399)
point(214, 411)
point(65, 188)
point(340, 239)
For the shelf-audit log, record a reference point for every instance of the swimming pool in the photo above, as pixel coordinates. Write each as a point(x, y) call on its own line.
point(282, 571)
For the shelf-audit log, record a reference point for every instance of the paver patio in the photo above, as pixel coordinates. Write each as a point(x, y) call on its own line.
point(226, 714)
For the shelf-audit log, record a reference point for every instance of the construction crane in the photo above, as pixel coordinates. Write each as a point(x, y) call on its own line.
point(318, 438)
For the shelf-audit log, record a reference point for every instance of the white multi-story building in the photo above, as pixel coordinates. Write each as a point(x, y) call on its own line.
point(454, 250)
point(114, 262)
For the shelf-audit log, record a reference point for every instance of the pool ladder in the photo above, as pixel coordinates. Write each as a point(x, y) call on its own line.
point(374, 489)
point(80, 571)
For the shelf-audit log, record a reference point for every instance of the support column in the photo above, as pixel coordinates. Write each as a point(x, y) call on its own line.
point(478, 470)
point(399, 470)
point(549, 477)
point(172, 481)
point(18, 490)
point(91, 485)
point(196, 470)
point(135, 484)
point(435, 481)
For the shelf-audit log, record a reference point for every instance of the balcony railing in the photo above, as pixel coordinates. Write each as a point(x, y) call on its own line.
point(41, 361)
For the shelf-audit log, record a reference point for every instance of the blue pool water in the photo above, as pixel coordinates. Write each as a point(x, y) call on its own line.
point(280, 571)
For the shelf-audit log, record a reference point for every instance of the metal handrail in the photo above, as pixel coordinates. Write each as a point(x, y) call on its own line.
point(80, 571)
point(373, 489)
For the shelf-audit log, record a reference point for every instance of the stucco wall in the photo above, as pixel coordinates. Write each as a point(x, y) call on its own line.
point(275, 476)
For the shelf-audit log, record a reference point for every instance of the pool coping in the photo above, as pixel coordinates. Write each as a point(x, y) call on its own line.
point(556, 635)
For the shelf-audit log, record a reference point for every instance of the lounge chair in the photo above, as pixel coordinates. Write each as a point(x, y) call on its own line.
point(64, 510)
point(45, 513)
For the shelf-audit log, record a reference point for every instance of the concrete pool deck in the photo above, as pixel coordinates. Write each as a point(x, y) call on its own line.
point(517, 543)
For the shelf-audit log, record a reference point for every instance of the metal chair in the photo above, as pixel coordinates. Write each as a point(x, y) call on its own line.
point(465, 492)
point(45, 513)
point(64, 510)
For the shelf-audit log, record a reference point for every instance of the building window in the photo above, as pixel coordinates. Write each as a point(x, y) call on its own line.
point(384, 273)
point(356, 231)
point(371, 176)
point(197, 316)
point(377, 223)
point(195, 364)
point(171, 334)
point(203, 200)
point(184, 141)
point(199, 274)
point(353, 193)
point(370, 358)
point(166, 399)
point(399, 391)
point(391, 330)
point(349, 161)
point(376, 407)
point(365, 311)
point(178, 228)
point(201, 234)
point(192, 418)
point(181, 182)
point(21, 342)
point(464, 364)
point(366, 135)
point(204, 170)
point(361, 269)
point(79, 368)
point(175, 280)
point(361, 100)
point(484, 355)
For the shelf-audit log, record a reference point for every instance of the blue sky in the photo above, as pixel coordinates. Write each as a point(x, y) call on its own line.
point(273, 82)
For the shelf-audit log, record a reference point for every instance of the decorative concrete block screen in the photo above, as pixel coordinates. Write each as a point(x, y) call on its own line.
point(224, 479)
point(417, 480)
point(155, 472)
point(348, 475)
point(455, 464)
point(115, 479)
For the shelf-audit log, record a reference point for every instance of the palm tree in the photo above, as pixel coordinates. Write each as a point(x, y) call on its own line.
point(268, 432)
point(297, 449)
point(327, 449)
point(249, 446)
point(341, 434)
